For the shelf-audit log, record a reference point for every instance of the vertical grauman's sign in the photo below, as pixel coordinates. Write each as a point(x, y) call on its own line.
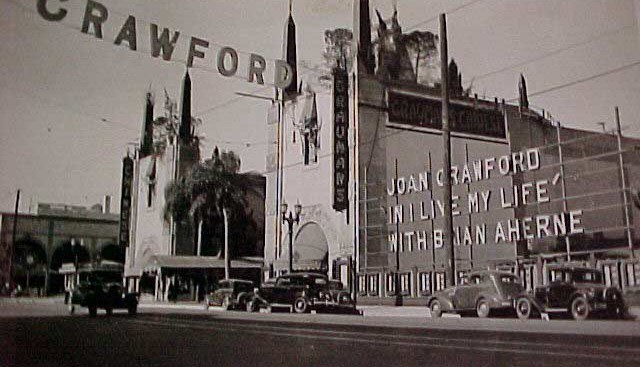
point(125, 201)
point(340, 139)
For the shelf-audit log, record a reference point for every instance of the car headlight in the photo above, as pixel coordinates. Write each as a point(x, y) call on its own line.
point(345, 298)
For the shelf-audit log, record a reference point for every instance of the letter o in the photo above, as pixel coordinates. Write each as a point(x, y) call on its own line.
point(234, 61)
point(503, 165)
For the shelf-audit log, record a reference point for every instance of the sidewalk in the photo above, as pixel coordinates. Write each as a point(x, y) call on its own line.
point(368, 310)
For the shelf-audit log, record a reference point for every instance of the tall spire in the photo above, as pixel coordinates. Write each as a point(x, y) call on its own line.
point(522, 88)
point(185, 110)
point(290, 54)
point(146, 141)
point(366, 59)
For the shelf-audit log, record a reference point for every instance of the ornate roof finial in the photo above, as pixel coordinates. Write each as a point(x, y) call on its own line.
point(290, 6)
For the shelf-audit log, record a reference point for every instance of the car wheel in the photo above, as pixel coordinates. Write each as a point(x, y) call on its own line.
point(579, 308)
point(301, 305)
point(482, 308)
point(72, 309)
point(524, 308)
point(226, 303)
point(436, 308)
point(93, 310)
point(132, 309)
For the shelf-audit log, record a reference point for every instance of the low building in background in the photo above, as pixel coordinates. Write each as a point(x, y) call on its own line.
point(56, 240)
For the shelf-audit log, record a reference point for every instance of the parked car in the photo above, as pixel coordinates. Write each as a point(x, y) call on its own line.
point(100, 291)
point(482, 292)
point(231, 294)
point(302, 293)
point(578, 291)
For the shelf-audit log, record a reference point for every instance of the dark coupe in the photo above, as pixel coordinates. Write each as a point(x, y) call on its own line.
point(482, 292)
point(302, 293)
point(231, 293)
point(578, 291)
point(103, 290)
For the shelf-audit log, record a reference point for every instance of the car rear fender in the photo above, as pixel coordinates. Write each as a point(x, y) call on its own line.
point(534, 302)
point(445, 304)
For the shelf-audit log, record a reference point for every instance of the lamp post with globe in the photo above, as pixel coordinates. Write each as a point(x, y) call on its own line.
point(290, 219)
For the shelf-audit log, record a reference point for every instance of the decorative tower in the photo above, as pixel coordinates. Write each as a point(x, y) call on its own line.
point(366, 59)
point(184, 132)
point(146, 141)
point(522, 88)
point(455, 80)
point(290, 55)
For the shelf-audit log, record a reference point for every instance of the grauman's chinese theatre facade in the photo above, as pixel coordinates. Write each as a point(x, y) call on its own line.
point(528, 194)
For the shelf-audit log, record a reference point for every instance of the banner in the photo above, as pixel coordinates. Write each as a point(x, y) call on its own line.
point(125, 201)
point(340, 139)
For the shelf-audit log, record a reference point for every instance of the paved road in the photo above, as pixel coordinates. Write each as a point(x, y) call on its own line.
point(41, 335)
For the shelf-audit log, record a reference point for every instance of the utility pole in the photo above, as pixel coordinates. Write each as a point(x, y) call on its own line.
point(450, 274)
point(397, 274)
point(13, 237)
point(623, 179)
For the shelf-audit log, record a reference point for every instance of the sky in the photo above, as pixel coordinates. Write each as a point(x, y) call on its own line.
point(71, 104)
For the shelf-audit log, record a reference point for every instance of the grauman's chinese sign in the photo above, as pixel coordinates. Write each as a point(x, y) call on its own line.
point(340, 140)
point(125, 201)
point(427, 113)
point(427, 208)
point(163, 43)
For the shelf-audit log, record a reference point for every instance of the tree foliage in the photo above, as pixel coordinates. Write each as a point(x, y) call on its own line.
point(210, 187)
point(423, 44)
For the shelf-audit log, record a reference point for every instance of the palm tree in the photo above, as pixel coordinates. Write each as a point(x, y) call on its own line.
point(214, 191)
point(423, 44)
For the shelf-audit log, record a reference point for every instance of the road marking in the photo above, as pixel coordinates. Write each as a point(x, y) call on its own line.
point(483, 346)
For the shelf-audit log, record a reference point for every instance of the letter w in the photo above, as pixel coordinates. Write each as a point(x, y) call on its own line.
point(163, 42)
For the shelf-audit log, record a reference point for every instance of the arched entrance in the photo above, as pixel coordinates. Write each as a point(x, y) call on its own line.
point(112, 252)
point(30, 264)
point(311, 249)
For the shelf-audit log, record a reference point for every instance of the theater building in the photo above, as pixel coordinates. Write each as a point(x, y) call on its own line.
point(163, 253)
point(527, 193)
point(300, 170)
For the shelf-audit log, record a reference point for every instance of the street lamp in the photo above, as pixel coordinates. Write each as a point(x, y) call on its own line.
point(290, 220)
point(75, 248)
point(29, 260)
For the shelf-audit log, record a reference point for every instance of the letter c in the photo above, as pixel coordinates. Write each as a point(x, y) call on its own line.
point(53, 17)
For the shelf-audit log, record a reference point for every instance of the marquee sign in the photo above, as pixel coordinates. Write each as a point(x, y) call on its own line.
point(163, 42)
point(484, 202)
point(340, 140)
point(125, 201)
point(422, 112)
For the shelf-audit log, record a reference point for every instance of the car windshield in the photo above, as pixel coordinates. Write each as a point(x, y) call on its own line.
point(101, 277)
point(587, 276)
point(243, 286)
point(508, 279)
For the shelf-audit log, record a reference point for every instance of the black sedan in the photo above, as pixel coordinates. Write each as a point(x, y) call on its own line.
point(577, 291)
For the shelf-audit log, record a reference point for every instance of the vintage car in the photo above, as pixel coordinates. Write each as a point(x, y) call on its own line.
point(231, 294)
point(576, 291)
point(481, 292)
point(101, 290)
point(302, 293)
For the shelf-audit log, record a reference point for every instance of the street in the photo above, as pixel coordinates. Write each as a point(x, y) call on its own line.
point(43, 335)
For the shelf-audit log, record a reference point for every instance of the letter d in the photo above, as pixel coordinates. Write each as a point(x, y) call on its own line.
point(283, 74)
